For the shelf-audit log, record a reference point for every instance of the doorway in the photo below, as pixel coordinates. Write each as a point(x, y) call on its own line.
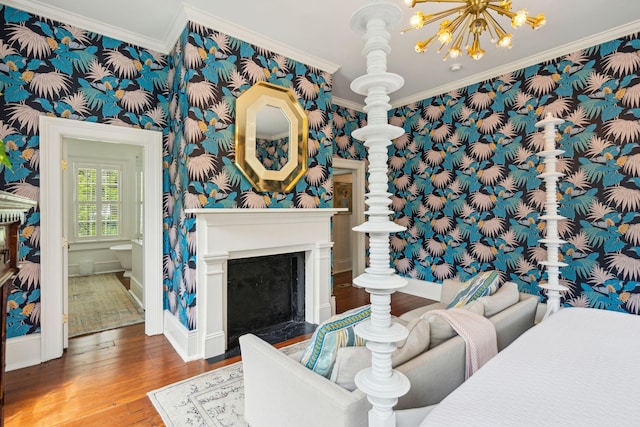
point(102, 187)
point(53, 266)
point(349, 245)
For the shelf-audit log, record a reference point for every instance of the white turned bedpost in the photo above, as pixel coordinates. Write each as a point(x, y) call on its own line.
point(380, 382)
point(552, 240)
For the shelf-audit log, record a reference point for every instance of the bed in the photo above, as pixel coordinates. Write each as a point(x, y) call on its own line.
point(579, 367)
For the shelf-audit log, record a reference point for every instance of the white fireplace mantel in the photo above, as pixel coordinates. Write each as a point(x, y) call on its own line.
point(225, 234)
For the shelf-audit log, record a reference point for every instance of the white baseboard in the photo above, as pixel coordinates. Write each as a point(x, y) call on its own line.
point(422, 288)
point(23, 351)
point(136, 289)
point(342, 265)
point(184, 342)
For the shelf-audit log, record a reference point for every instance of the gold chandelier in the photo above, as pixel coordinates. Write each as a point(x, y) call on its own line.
point(474, 18)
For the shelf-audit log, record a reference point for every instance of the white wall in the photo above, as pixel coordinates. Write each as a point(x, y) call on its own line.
point(98, 253)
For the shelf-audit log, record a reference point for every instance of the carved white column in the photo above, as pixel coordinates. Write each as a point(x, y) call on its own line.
point(380, 382)
point(552, 240)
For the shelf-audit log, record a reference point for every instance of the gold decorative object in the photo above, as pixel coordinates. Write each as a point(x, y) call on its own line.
point(473, 18)
point(268, 111)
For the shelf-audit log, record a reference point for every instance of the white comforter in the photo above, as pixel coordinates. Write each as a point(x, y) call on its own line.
point(579, 367)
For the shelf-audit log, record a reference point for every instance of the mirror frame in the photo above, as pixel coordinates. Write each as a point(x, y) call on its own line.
point(247, 106)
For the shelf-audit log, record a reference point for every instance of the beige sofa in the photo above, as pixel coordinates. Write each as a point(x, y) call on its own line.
point(279, 391)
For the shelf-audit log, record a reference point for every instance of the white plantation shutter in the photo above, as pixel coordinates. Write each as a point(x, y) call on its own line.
point(98, 201)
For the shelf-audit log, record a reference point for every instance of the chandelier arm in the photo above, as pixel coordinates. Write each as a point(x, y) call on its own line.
point(501, 11)
point(439, 15)
point(496, 25)
point(442, 1)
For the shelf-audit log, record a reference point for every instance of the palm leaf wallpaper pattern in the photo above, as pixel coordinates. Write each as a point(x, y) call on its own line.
point(463, 177)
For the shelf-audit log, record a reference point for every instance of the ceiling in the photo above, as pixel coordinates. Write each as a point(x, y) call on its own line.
point(319, 34)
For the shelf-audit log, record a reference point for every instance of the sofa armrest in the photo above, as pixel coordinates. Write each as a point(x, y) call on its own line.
point(279, 391)
point(513, 321)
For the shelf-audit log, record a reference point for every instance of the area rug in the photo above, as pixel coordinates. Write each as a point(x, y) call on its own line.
point(98, 303)
point(214, 398)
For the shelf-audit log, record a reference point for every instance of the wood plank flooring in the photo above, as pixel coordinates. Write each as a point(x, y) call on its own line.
point(102, 379)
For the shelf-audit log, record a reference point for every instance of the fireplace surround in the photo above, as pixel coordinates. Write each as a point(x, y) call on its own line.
point(225, 234)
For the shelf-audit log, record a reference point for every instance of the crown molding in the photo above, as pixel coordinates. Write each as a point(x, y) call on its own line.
point(47, 11)
point(186, 13)
point(175, 30)
point(584, 43)
point(210, 21)
point(347, 104)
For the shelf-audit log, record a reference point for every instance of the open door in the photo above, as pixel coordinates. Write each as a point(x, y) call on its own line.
point(65, 247)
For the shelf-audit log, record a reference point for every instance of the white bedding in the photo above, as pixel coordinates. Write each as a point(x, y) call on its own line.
point(579, 367)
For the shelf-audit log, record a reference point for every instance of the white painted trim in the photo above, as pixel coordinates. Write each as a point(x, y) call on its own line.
point(201, 17)
point(184, 342)
point(23, 351)
point(52, 131)
point(422, 288)
point(556, 52)
point(347, 104)
point(358, 167)
point(46, 10)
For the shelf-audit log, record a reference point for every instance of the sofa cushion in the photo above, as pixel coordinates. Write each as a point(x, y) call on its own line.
point(439, 328)
point(332, 334)
point(351, 360)
point(478, 286)
point(417, 313)
point(450, 288)
point(504, 297)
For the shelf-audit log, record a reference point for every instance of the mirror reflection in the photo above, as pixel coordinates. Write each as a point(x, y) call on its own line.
point(272, 137)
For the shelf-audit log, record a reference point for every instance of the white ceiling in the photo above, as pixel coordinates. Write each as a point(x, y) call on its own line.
point(319, 34)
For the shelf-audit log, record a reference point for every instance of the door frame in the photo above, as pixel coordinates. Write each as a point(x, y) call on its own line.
point(52, 132)
point(358, 168)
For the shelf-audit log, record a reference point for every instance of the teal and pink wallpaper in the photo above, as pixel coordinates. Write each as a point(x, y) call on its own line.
point(464, 177)
point(52, 68)
point(208, 71)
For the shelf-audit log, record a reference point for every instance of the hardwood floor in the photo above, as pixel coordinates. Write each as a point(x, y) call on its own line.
point(102, 379)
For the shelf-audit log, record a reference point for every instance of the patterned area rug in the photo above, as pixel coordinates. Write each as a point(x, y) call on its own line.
point(98, 303)
point(215, 398)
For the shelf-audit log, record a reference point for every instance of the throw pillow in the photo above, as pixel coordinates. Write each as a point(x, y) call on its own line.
point(351, 360)
point(504, 297)
point(336, 332)
point(478, 286)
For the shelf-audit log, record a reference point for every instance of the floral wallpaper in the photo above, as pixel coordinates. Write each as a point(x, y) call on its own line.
point(208, 71)
point(51, 68)
point(464, 178)
point(272, 153)
point(345, 121)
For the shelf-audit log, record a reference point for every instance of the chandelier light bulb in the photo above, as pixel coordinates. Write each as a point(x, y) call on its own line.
point(445, 37)
point(417, 20)
point(475, 51)
point(539, 22)
point(505, 41)
point(454, 52)
point(519, 18)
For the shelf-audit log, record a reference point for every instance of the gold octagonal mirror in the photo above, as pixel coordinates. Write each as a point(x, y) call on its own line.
point(271, 137)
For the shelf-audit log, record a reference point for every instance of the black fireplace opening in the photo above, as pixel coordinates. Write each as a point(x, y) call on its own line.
point(265, 294)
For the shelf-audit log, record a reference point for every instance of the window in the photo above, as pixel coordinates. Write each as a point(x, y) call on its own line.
point(98, 202)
